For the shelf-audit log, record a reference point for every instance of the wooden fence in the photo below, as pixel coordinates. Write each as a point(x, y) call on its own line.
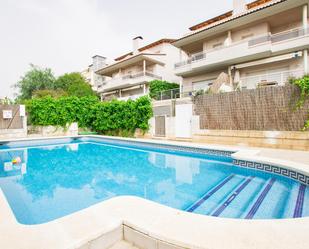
point(16, 122)
point(267, 109)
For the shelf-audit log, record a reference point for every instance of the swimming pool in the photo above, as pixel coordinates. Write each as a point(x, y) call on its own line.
point(60, 177)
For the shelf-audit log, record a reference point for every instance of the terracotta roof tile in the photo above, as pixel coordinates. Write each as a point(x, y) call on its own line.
point(156, 43)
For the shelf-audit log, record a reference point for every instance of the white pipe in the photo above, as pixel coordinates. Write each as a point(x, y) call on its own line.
point(306, 70)
point(305, 16)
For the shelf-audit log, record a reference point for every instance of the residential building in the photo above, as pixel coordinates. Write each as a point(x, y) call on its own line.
point(262, 43)
point(129, 75)
point(94, 79)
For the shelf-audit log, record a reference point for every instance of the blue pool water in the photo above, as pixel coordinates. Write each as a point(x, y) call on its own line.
point(54, 180)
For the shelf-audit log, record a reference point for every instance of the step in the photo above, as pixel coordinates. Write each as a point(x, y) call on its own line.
point(206, 196)
point(259, 200)
point(211, 202)
point(123, 245)
point(225, 206)
point(275, 203)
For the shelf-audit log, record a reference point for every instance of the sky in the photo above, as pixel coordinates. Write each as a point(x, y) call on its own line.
point(64, 34)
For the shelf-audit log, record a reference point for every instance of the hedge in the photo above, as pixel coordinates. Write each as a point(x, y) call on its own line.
point(114, 117)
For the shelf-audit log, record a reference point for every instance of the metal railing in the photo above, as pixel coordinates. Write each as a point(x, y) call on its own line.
point(283, 36)
point(252, 82)
point(178, 93)
point(272, 79)
point(286, 35)
point(121, 80)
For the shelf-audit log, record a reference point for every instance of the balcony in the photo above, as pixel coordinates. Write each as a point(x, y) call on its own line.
point(272, 79)
point(243, 51)
point(126, 81)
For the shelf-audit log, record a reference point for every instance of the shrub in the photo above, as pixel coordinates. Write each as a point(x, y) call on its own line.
point(111, 118)
point(157, 86)
point(303, 85)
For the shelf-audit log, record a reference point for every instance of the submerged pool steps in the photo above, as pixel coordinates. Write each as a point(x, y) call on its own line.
point(195, 205)
point(260, 199)
point(298, 211)
point(250, 198)
point(232, 197)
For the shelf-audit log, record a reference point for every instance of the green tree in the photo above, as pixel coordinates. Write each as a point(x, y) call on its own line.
point(57, 93)
point(75, 85)
point(35, 79)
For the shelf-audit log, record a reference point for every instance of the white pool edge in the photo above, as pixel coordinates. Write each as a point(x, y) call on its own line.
point(138, 219)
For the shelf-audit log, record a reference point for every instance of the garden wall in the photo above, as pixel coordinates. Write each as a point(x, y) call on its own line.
point(265, 109)
point(13, 121)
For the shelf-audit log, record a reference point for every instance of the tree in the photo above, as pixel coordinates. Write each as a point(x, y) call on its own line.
point(35, 79)
point(75, 85)
point(51, 93)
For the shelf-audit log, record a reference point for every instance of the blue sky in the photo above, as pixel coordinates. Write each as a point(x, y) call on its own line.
point(64, 34)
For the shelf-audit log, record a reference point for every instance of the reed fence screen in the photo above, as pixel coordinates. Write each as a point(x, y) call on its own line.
point(264, 109)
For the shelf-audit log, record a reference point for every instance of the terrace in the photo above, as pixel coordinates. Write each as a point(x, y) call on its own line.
point(242, 51)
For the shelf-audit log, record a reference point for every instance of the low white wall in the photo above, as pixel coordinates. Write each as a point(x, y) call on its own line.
point(50, 131)
point(15, 133)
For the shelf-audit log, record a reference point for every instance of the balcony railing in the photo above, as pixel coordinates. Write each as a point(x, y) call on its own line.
point(287, 35)
point(178, 93)
point(127, 78)
point(252, 82)
point(272, 79)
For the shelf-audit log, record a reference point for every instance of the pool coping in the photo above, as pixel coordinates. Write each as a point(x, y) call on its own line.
point(102, 224)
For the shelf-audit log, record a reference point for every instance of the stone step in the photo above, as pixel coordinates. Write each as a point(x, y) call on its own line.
point(123, 245)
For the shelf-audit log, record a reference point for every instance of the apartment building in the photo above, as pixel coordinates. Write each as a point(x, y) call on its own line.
point(129, 75)
point(94, 79)
point(262, 43)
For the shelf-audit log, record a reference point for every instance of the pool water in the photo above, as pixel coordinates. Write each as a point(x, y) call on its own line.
point(54, 180)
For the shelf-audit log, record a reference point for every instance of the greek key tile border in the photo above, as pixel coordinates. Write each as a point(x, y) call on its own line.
point(304, 179)
point(168, 147)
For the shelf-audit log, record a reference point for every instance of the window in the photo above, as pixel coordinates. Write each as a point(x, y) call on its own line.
point(202, 85)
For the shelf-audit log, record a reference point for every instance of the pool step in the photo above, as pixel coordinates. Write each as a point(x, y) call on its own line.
point(298, 211)
point(206, 196)
point(209, 202)
point(123, 245)
point(260, 199)
point(220, 209)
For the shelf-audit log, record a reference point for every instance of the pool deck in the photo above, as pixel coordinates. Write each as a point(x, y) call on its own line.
point(153, 226)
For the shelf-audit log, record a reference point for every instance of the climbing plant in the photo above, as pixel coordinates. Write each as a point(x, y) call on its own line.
point(158, 86)
point(303, 85)
point(114, 118)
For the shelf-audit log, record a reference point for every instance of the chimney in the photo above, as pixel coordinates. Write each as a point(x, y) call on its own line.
point(239, 6)
point(136, 44)
point(98, 62)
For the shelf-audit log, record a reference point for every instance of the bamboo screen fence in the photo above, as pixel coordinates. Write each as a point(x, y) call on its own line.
point(264, 109)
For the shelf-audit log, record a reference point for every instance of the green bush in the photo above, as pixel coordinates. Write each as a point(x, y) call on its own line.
point(157, 86)
point(303, 84)
point(111, 118)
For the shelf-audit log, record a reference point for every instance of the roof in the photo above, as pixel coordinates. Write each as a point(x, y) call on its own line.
point(108, 70)
point(227, 14)
point(156, 43)
point(259, 5)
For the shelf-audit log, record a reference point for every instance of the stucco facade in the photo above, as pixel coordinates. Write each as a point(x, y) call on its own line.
point(266, 43)
point(128, 76)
